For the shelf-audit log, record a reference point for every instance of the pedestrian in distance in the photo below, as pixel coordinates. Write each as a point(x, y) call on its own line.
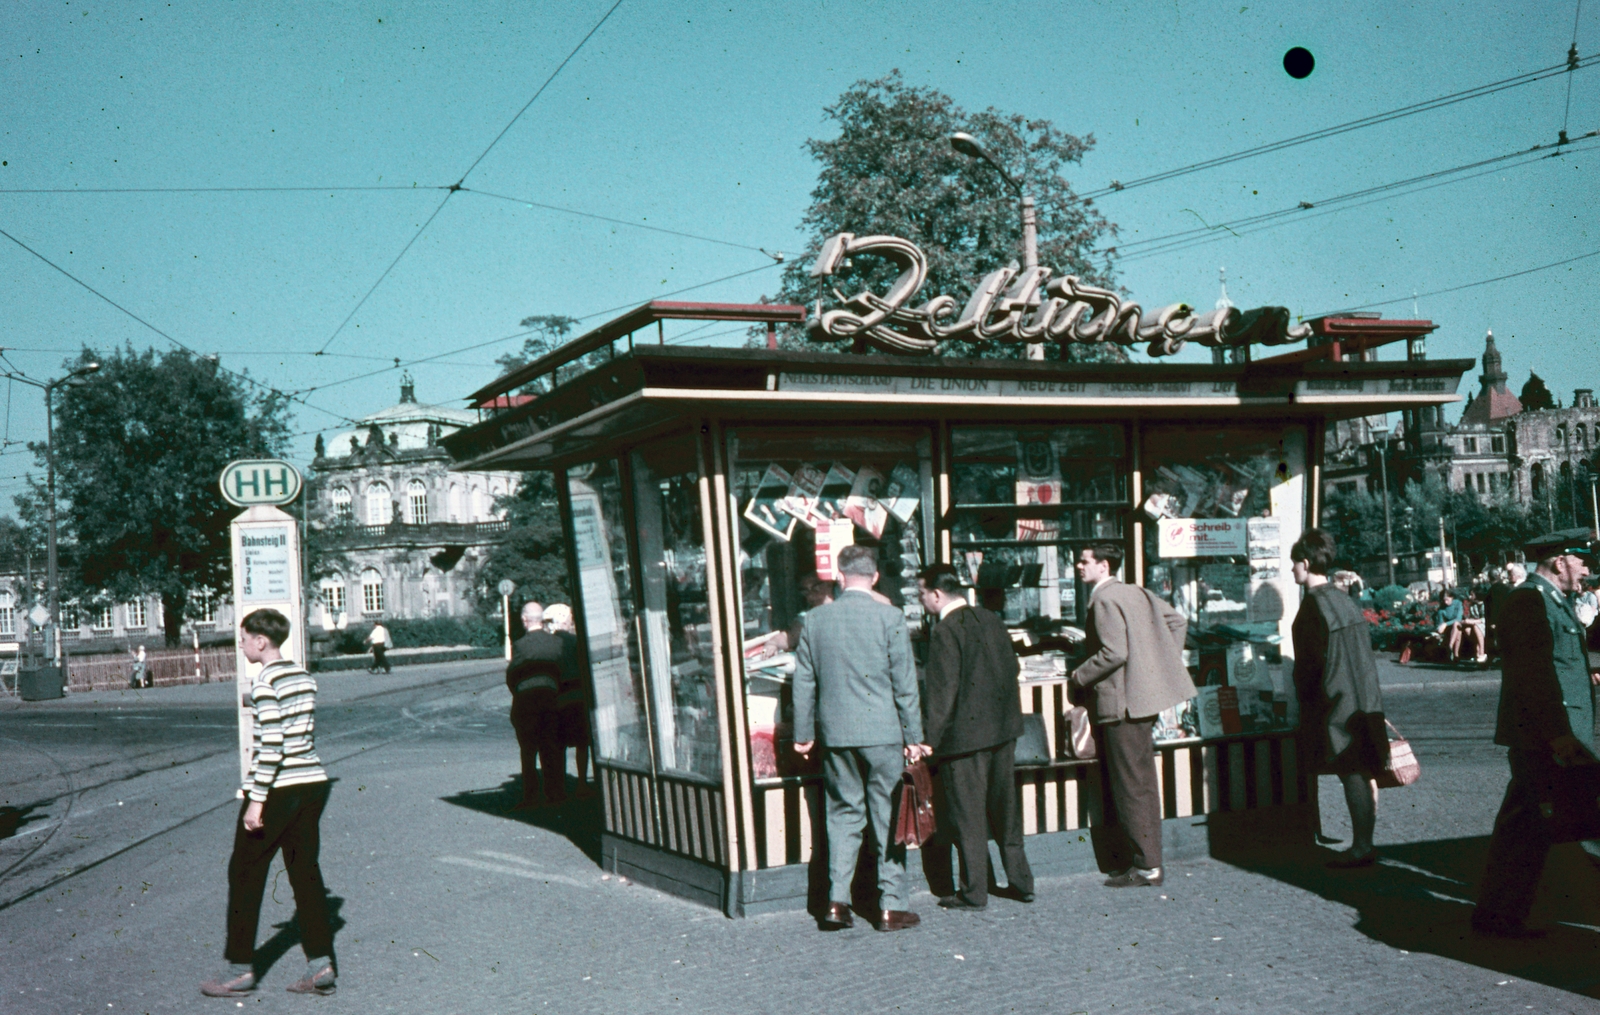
point(380, 642)
point(1134, 672)
point(572, 701)
point(1546, 720)
point(284, 796)
point(974, 717)
point(855, 699)
point(140, 676)
point(540, 663)
point(1341, 704)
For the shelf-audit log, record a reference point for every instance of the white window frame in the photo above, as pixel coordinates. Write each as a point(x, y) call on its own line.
point(333, 594)
point(343, 504)
point(204, 603)
point(417, 502)
point(380, 511)
point(8, 615)
point(371, 592)
point(105, 618)
point(136, 615)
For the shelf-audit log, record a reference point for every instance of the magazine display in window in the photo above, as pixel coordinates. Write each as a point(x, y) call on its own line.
point(1223, 508)
point(765, 507)
point(844, 487)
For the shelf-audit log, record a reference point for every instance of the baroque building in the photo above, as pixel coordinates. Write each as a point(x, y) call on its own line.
point(406, 534)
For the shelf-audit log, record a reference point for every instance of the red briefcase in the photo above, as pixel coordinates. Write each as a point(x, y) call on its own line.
point(914, 824)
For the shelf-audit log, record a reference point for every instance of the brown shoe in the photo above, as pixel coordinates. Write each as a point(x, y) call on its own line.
point(897, 919)
point(837, 917)
point(322, 982)
point(242, 985)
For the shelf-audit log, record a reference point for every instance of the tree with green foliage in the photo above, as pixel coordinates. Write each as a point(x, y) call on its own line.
point(891, 170)
point(548, 331)
point(1535, 395)
point(139, 448)
point(533, 553)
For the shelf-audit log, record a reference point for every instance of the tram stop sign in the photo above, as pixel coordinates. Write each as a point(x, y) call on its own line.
point(507, 586)
point(249, 482)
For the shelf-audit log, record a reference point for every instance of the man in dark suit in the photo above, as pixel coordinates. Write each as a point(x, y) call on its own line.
point(1135, 670)
point(855, 693)
point(974, 719)
point(539, 665)
point(1546, 720)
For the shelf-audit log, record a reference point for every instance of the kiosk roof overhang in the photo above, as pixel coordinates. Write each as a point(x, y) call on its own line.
point(653, 388)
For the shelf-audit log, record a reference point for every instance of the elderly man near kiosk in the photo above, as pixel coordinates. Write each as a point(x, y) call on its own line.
point(1546, 720)
point(855, 699)
point(974, 719)
point(540, 663)
point(1135, 671)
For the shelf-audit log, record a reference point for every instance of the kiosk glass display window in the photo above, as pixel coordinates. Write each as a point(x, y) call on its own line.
point(605, 578)
point(1024, 499)
point(799, 496)
point(1222, 507)
point(676, 616)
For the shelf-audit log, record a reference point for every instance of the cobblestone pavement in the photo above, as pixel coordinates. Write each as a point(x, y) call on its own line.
point(448, 905)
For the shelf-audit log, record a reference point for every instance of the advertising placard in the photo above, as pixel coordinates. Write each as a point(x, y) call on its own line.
point(1202, 537)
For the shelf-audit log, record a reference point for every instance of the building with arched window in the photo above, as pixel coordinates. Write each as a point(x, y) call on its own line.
point(406, 534)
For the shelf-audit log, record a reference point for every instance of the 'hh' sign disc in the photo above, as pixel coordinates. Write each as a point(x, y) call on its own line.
point(252, 481)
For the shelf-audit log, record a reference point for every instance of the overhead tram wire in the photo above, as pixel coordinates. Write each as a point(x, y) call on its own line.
point(451, 190)
point(523, 334)
point(1454, 288)
point(616, 221)
point(1564, 67)
point(210, 190)
point(246, 378)
point(1236, 228)
point(1572, 65)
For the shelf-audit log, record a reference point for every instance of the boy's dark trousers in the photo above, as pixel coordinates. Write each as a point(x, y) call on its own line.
point(290, 820)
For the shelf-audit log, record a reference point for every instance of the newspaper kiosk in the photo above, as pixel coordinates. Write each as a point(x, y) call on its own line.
point(704, 491)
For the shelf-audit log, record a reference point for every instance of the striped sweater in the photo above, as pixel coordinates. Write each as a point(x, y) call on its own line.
point(283, 753)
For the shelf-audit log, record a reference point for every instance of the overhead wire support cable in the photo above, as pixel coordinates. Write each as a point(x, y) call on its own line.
point(606, 218)
point(530, 331)
point(1572, 65)
point(451, 190)
point(208, 190)
point(559, 68)
point(1184, 239)
point(1564, 67)
point(181, 345)
point(1454, 288)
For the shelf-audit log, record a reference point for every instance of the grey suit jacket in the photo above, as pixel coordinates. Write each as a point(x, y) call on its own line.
point(855, 684)
point(1135, 663)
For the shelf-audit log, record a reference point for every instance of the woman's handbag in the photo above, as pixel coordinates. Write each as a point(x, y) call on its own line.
point(915, 823)
point(1401, 769)
point(1078, 744)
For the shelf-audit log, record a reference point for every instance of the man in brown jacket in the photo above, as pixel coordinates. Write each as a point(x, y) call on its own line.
point(1135, 669)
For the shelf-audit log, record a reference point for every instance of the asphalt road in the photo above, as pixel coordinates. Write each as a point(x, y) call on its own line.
point(113, 893)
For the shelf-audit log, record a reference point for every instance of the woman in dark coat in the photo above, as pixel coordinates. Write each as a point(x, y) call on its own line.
point(1341, 706)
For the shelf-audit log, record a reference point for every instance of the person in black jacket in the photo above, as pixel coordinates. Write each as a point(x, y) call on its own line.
point(974, 718)
point(540, 663)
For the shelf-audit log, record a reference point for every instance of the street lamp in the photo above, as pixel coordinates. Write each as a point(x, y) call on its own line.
point(965, 144)
point(1380, 435)
point(52, 576)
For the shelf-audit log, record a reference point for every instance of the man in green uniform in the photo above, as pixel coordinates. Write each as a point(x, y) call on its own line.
point(1546, 720)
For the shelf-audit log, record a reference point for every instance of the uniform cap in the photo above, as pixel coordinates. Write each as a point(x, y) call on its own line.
point(1579, 543)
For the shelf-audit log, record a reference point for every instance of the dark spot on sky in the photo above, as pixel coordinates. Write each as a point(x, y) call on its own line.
point(1299, 62)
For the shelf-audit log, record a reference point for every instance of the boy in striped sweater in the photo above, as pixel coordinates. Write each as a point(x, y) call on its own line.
point(284, 793)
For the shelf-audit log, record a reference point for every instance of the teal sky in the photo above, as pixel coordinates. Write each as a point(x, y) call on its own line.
point(692, 117)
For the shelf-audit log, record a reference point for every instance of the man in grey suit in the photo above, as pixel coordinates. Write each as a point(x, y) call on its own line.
point(855, 693)
point(1135, 670)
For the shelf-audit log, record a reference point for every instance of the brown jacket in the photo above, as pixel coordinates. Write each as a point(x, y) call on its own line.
point(1135, 664)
